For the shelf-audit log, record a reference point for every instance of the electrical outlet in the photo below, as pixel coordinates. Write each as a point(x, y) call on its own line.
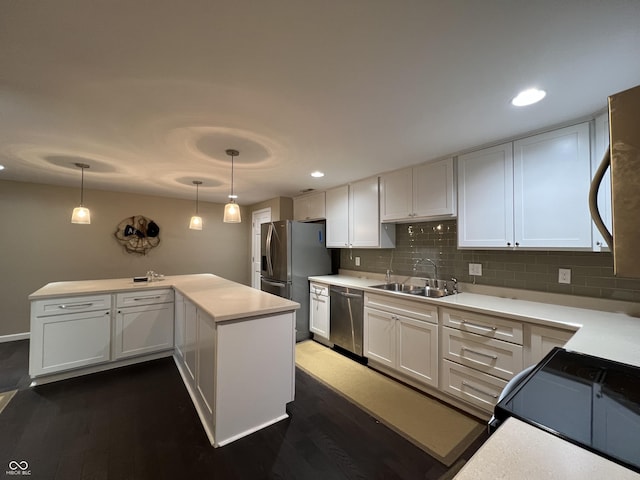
point(564, 275)
point(357, 261)
point(475, 269)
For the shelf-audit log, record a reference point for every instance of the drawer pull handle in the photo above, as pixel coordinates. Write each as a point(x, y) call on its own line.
point(471, 324)
point(75, 305)
point(479, 390)
point(147, 298)
point(465, 349)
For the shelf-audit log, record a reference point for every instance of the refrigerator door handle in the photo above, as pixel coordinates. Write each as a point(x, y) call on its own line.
point(268, 244)
point(274, 284)
point(593, 198)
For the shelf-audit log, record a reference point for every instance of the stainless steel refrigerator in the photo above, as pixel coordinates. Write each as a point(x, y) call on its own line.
point(290, 253)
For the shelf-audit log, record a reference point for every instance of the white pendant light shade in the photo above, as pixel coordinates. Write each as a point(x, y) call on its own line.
point(196, 220)
point(81, 215)
point(195, 223)
point(232, 209)
point(232, 213)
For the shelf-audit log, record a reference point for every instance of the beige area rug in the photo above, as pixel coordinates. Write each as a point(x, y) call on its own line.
point(5, 398)
point(442, 432)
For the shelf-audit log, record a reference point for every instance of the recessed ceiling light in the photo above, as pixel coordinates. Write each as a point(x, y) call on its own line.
point(317, 174)
point(528, 97)
point(1, 167)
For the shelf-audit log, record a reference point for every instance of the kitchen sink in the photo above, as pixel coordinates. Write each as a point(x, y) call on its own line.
point(396, 287)
point(413, 290)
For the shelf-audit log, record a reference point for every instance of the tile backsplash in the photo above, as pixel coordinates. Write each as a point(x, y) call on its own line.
point(591, 272)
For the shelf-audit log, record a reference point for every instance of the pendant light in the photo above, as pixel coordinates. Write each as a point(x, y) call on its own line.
point(81, 214)
point(232, 209)
point(196, 220)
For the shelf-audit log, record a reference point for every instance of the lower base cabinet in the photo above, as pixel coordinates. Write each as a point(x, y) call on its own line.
point(403, 337)
point(144, 329)
point(240, 374)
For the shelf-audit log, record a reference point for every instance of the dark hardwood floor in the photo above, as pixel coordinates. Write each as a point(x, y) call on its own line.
point(138, 422)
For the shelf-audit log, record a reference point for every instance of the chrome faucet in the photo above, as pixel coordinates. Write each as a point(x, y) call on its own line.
point(387, 277)
point(435, 267)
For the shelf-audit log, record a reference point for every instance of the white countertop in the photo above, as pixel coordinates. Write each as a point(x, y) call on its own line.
point(220, 298)
point(518, 450)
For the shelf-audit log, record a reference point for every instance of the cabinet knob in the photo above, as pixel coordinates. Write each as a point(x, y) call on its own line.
point(517, 244)
point(508, 244)
point(599, 243)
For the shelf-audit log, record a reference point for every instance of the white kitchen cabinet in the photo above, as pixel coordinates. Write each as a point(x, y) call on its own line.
point(309, 207)
point(61, 340)
point(190, 338)
point(601, 141)
point(206, 361)
point(540, 340)
point(143, 329)
point(480, 354)
point(179, 323)
point(319, 309)
point(144, 322)
point(353, 218)
point(528, 194)
point(485, 198)
point(422, 193)
point(401, 336)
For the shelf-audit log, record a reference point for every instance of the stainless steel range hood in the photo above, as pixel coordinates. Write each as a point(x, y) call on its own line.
point(623, 156)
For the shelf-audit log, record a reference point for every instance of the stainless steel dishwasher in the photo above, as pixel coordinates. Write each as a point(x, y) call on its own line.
point(346, 318)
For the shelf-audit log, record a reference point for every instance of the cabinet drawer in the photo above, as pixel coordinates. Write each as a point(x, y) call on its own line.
point(144, 297)
point(488, 355)
point(66, 305)
point(475, 387)
point(408, 308)
point(485, 325)
point(319, 289)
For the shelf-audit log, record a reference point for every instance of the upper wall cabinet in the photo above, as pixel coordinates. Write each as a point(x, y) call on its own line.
point(309, 207)
point(422, 193)
point(529, 194)
point(604, 193)
point(353, 219)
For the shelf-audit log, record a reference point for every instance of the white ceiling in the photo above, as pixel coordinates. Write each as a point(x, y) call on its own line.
point(150, 93)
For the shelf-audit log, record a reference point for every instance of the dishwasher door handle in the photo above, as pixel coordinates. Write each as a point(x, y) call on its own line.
point(350, 295)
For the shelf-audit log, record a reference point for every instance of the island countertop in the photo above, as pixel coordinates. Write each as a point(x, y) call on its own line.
point(222, 299)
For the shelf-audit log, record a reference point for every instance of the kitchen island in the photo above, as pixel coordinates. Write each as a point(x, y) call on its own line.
point(233, 345)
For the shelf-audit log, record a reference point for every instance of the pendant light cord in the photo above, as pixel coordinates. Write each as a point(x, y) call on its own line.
point(197, 185)
point(231, 178)
point(82, 187)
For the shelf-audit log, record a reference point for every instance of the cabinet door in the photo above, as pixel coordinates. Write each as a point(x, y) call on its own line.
point(552, 174)
point(604, 193)
point(541, 341)
point(396, 195)
point(319, 314)
point(190, 337)
point(63, 342)
point(206, 353)
point(144, 329)
point(179, 324)
point(485, 196)
point(417, 344)
point(379, 337)
point(434, 192)
point(364, 218)
point(338, 217)
point(309, 207)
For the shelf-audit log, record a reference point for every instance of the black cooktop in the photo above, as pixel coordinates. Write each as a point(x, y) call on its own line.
point(589, 401)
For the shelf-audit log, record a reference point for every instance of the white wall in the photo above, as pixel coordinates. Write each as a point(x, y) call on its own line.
point(38, 243)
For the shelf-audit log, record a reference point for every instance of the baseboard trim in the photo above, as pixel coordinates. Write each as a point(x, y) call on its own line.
point(15, 336)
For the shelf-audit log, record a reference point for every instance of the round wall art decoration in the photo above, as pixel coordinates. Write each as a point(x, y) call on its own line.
point(138, 234)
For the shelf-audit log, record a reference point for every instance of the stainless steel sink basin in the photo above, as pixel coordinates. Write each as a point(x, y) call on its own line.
point(412, 290)
point(396, 287)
